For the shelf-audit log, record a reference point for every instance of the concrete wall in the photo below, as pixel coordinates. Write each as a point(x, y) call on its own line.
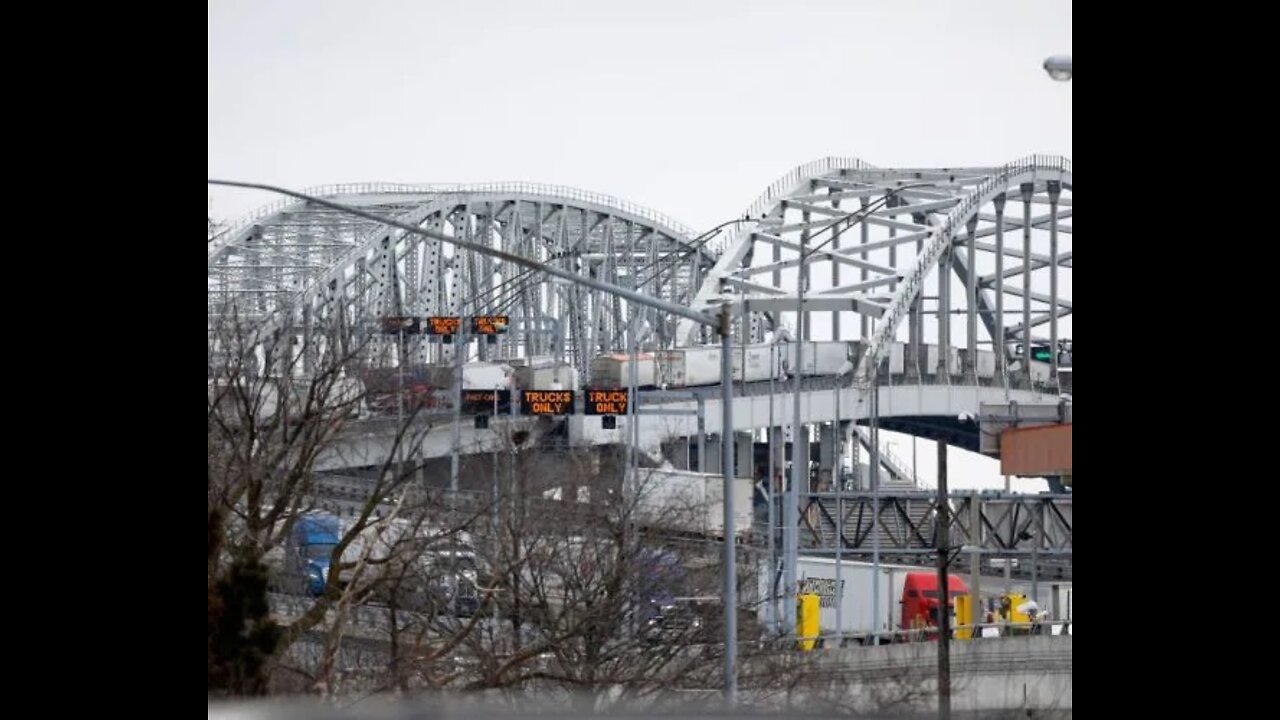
point(988, 678)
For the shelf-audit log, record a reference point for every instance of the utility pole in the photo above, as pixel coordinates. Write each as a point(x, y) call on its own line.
point(944, 614)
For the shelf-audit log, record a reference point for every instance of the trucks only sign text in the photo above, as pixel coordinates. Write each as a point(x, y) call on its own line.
point(443, 325)
point(547, 402)
point(606, 402)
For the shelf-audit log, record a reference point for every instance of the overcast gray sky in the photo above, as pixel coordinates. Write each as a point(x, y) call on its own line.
point(691, 107)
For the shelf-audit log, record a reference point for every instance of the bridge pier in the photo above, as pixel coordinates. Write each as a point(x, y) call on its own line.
point(710, 462)
point(828, 457)
point(801, 453)
point(744, 455)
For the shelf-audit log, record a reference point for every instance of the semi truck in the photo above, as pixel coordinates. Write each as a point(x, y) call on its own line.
point(908, 597)
point(427, 572)
point(302, 564)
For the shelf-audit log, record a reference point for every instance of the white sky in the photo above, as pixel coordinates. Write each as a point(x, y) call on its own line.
point(689, 107)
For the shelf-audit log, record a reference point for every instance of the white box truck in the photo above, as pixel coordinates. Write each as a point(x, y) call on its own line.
point(689, 502)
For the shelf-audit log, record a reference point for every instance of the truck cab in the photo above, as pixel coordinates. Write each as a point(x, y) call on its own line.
point(920, 598)
point(309, 549)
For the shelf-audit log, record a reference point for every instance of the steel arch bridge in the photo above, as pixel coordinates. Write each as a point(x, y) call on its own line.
point(867, 265)
point(872, 237)
point(297, 265)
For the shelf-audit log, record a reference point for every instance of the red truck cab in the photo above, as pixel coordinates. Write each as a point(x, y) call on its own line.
point(920, 598)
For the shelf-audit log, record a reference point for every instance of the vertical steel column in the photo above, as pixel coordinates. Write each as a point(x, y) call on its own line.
point(730, 532)
point(803, 270)
point(874, 435)
point(838, 595)
point(1028, 190)
point(998, 345)
point(1055, 191)
point(944, 310)
point(791, 510)
point(702, 435)
point(971, 362)
point(975, 564)
point(863, 274)
point(944, 614)
point(835, 266)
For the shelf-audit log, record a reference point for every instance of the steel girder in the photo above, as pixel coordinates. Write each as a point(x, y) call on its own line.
point(873, 237)
point(294, 266)
point(1032, 528)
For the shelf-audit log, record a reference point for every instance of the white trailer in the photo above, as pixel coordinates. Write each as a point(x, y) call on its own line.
point(547, 377)
point(762, 362)
point(534, 361)
point(932, 354)
point(819, 358)
point(818, 575)
point(986, 364)
point(895, 357)
point(615, 370)
point(690, 367)
point(475, 376)
point(689, 502)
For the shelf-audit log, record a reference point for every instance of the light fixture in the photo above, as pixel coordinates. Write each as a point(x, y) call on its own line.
point(1058, 67)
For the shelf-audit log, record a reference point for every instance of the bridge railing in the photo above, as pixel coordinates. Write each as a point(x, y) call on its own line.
point(963, 633)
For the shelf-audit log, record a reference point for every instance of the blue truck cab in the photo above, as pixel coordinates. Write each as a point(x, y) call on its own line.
point(310, 549)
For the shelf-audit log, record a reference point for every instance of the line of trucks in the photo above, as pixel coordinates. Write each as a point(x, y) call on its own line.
point(909, 601)
point(688, 504)
point(417, 568)
point(700, 366)
point(688, 367)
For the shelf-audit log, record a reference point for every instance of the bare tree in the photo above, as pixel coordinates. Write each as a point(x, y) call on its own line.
point(276, 406)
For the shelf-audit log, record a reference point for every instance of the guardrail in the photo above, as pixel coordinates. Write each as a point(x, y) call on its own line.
point(986, 631)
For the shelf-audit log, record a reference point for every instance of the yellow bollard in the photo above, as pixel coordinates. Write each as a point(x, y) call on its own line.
point(964, 618)
point(807, 621)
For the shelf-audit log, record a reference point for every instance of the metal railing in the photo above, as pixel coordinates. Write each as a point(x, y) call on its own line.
point(985, 631)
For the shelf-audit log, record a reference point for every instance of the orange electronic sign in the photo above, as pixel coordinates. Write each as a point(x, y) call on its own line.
point(443, 325)
point(489, 324)
point(396, 324)
point(485, 402)
point(546, 402)
point(610, 401)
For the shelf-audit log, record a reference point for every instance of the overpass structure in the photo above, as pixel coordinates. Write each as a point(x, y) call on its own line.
point(954, 282)
point(872, 248)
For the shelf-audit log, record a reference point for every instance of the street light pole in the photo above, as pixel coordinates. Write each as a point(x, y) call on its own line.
point(799, 465)
point(944, 614)
point(771, 491)
point(730, 532)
